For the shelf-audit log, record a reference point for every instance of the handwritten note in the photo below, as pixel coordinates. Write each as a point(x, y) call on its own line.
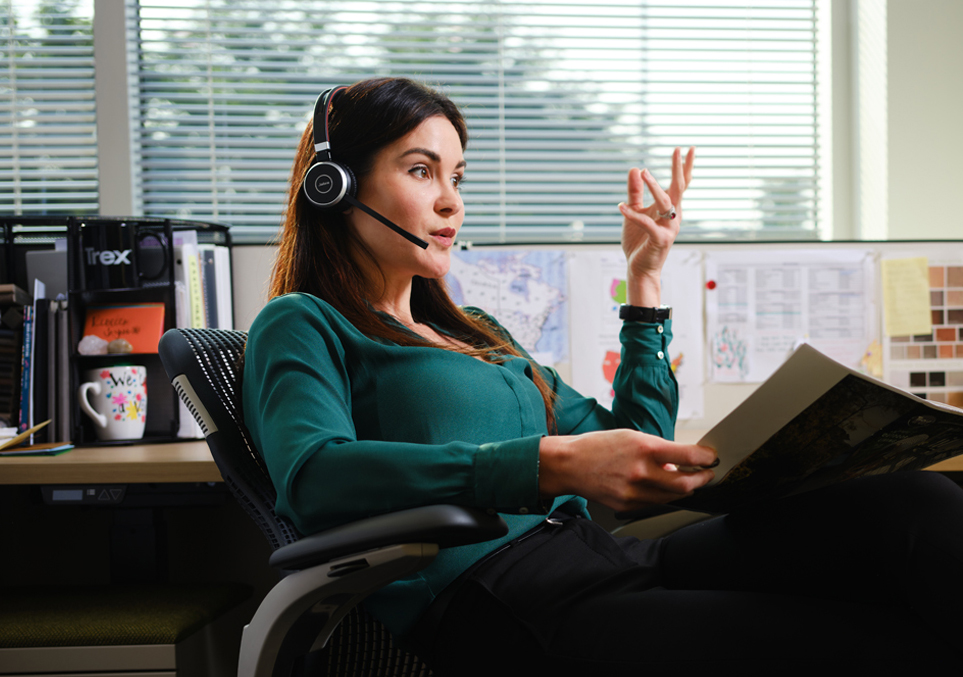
point(906, 296)
point(140, 324)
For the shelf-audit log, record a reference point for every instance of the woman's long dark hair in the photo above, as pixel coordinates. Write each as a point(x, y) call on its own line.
point(318, 249)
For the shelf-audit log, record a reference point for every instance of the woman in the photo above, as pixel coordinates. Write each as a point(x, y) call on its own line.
point(368, 391)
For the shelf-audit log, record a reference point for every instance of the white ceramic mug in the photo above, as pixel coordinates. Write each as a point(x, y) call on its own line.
point(119, 408)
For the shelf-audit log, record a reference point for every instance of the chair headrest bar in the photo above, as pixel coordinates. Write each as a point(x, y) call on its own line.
point(186, 392)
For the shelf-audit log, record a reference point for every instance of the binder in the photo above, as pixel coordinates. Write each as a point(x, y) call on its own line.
point(63, 430)
point(225, 287)
point(26, 360)
point(210, 291)
point(39, 405)
point(50, 432)
point(189, 308)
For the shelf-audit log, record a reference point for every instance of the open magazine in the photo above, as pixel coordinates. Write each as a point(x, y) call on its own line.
point(816, 422)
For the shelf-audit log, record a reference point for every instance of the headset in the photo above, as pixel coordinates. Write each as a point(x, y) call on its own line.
point(330, 185)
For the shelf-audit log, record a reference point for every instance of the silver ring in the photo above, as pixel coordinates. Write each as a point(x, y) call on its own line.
point(668, 214)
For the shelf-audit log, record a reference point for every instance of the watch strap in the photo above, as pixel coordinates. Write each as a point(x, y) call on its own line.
point(641, 314)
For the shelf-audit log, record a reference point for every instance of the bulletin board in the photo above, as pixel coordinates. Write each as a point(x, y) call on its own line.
point(739, 309)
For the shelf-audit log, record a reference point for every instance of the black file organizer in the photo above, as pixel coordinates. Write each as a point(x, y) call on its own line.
point(21, 233)
point(162, 408)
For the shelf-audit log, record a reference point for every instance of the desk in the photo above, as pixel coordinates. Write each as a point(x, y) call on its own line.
point(175, 552)
point(92, 545)
point(139, 463)
point(176, 462)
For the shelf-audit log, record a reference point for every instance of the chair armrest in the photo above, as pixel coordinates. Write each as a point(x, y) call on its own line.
point(444, 525)
point(299, 614)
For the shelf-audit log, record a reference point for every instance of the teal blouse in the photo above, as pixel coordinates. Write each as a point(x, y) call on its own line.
point(352, 427)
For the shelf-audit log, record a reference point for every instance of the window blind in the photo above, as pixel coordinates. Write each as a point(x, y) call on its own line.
point(48, 144)
point(561, 97)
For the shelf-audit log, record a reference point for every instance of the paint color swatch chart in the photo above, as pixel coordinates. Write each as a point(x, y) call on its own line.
point(931, 365)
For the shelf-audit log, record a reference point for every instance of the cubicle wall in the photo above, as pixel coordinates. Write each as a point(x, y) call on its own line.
point(890, 309)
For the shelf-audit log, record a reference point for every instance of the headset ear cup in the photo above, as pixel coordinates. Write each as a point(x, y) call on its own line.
point(308, 185)
point(326, 183)
point(350, 187)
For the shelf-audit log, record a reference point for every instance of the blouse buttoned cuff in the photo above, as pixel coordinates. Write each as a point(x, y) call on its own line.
point(648, 341)
point(506, 476)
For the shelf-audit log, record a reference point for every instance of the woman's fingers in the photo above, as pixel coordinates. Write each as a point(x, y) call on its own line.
point(663, 484)
point(662, 201)
point(635, 189)
point(662, 470)
point(683, 455)
point(623, 469)
point(675, 469)
point(640, 216)
point(677, 186)
point(687, 168)
point(684, 468)
point(681, 174)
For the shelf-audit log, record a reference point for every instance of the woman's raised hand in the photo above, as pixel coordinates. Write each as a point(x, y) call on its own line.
point(649, 231)
point(622, 469)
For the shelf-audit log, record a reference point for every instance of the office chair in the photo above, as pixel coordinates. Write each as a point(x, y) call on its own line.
point(325, 575)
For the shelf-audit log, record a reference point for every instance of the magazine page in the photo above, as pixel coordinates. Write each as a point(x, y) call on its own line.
point(800, 381)
point(817, 424)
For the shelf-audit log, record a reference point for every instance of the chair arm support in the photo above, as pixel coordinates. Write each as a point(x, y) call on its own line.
point(445, 525)
point(299, 614)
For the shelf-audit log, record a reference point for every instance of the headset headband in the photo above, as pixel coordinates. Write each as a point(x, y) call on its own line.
point(322, 147)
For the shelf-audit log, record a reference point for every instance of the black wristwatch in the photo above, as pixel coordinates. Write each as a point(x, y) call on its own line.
point(639, 314)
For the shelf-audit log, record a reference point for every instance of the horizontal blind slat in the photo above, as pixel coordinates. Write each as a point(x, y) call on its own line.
point(48, 141)
point(561, 100)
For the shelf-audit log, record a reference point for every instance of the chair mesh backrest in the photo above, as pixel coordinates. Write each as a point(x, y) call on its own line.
point(211, 361)
point(362, 647)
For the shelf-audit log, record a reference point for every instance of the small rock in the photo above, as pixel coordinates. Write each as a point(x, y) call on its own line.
point(120, 346)
point(92, 345)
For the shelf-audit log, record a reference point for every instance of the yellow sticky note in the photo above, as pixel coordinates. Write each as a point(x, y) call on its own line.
point(906, 296)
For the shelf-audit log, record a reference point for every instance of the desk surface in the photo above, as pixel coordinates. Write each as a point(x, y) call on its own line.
point(139, 463)
point(144, 463)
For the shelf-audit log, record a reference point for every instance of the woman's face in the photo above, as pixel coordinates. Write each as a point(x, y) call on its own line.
point(414, 183)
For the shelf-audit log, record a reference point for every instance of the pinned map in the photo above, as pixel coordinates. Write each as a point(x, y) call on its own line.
point(524, 290)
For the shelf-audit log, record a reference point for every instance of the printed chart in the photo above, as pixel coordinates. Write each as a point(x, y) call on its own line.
point(760, 305)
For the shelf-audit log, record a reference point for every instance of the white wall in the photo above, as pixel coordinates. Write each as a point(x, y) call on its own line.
point(925, 62)
point(251, 268)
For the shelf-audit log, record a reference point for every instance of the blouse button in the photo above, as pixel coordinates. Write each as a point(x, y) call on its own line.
point(660, 354)
point(660, 329)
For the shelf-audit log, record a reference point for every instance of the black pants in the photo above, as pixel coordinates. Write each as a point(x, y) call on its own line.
point(865, 574)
